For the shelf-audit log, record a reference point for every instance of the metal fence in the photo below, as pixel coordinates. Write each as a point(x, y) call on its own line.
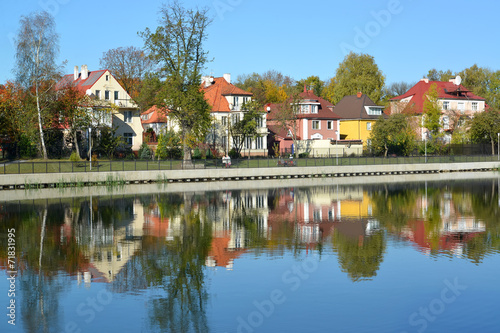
point(19, 167)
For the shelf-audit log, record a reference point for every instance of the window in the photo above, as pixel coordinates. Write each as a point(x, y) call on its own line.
point(461, 106)
point(304, 108)
point(235, 101)
point(374, 111)
point(107, 77)
point(224, 121)
point(235, 118)
point(368, 126)
point(259, 142)
point(127, 116)
point(474, 106)
point(129, 138)
point(446, 105)
point(98, 94)
point(259, 121)
point(314, 109)
point(316, 124)
point(245, 100)
point(248, 143)
point(329, 124)
point(116, 95)
point(106, 95)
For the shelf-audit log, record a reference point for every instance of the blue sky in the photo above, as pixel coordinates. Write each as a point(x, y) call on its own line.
point(297, 38)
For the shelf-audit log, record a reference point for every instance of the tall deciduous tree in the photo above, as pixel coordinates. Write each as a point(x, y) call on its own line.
point(36, 50)
point(287, 118)
point(247, 127)
point(432, 111)
point(129, 65)
point(177, 48)
point(358, 73)
point(397, 89)
point(485, 127)
point(393, 135)
point(435, 75)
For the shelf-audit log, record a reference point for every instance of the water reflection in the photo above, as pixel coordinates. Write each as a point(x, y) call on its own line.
point(167, 242)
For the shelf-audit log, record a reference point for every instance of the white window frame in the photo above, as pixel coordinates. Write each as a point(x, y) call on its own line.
point(304, 108)
point(329, 125)
point(446, 105)
point(313, 124)
point(368, 126)
point(127, 116)
point(259, 142)
point(474, 106)
point(314, 109)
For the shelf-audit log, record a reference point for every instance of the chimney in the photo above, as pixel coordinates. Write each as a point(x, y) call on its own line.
point(75, 73)
point(227, 77)
point(85, 72)
point(359, 94)
point(426, 80)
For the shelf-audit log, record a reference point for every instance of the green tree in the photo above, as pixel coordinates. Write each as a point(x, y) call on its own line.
point(435, 75)
point(328, 91)
point(311, 83)
point(106, 142)
point(485, 127)
point(393, 135)
point(177, 48)
point(358, 72)
point(36, 50)
point(432, 111)
point(169, 145)
point(247, 127)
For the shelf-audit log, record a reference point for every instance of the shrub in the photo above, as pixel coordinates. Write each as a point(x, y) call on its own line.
point(145, 152)
point(74, 157)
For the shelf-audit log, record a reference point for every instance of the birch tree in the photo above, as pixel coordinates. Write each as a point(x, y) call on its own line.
point(37, 46)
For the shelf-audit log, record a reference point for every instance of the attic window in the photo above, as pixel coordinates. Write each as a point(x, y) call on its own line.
point(107, 77)
point(374, 111)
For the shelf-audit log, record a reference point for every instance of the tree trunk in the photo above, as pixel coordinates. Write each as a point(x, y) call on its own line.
point(493, 146)
point(186, 163)
point(77, 149)
point(40, 127)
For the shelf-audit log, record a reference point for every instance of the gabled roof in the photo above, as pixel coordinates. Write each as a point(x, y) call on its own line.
point(156, 115)
point(306, 97)
point(446, 90)
point(81, 85)
point(216, 91)
point(353, 107)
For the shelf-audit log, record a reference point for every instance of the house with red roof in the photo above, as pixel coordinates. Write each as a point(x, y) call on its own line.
point(456, 101)
point(154, 122)
point(226, 101)
point(107, 93)
point(316, 123)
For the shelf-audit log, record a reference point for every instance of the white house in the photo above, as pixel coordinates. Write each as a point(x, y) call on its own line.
point(102, 84)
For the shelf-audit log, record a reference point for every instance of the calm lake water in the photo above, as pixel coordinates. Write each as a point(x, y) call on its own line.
point(414, 257)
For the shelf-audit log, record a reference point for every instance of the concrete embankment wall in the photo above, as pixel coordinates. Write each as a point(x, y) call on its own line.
point(14, 181)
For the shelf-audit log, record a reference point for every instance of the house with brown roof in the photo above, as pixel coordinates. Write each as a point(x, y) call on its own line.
point(107, 92)
point(358, 113)
point(227, 102)
point(316, 125)
point(456, 101)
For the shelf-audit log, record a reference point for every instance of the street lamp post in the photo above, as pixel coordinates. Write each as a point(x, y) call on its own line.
point(336, 146)
point(498, 146)
point(90, 147)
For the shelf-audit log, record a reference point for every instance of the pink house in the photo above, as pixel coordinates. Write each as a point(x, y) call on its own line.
point(315, 121)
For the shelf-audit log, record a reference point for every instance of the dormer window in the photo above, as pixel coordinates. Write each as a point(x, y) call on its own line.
point(304, 108)
point(314, 109)
point(373, 110)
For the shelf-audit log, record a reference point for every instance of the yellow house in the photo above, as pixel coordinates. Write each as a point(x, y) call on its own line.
point(358, 113)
